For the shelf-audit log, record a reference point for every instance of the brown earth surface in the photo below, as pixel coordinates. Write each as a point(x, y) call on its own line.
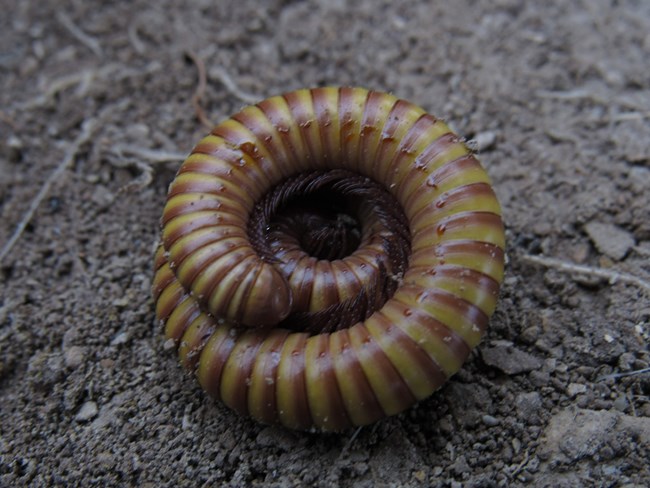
point(96, 114)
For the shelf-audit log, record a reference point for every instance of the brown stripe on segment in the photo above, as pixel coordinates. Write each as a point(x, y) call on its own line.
point(463, 193)
point(363, 269)
point(196, 336)
point(460, 172)
point(421, 125)
point(405, 150)
point(350, 124)
point(417, 176)
point(169, 299)
point(190, 267)
point(230, 170)
point(206, 284)
point(159, 259)
point(180, 319)
point(161, 280)
point(221, 150)
point(420, 325)
point(478, 288)
point(457, 314)
point(326, 111)
point(300, 105)
point(390, 140)
point(361, 404)
point(203, 271)
point(236, 376)
point(271, 299)
point(208, 146)
point(238, 285)
point(481, 251)
point(213, 358)
point(371, 126)
point(482, 226)
point(261, 394)
point(467, 198)
point(285, 128)
point(389, 388)
point(346, 281)
point(187, 223)
point(417, 369)
point(197, 183)
point(437, 147)
point(289, 258)
point(189, 203)
point(325, 402)
point(472, 278)
point(457, 166)
point(292, 403)
point(267, 137)
point(301, 283)
point(200, 238)
point(324, 289)
point(253, 134)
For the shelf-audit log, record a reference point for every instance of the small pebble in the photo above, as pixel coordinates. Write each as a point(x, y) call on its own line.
point(121, 338)
point(504, 356)
point(87, 412)
point(620, 403)
point(490, 421)
point(73, 357)
point(610, 240)
point(485, 140)
point(575, 389)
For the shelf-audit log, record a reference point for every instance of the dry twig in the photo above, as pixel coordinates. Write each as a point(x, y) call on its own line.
point(611, 275)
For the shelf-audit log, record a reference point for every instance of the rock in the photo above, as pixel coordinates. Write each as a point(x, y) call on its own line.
point(528, 404)
point(45, 370)
point(610, 239)
point(576, 434)
point(468, 403)
point(278, 437)
point(387, 467)
point(507, 358)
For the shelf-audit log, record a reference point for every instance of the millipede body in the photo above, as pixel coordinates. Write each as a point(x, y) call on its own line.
point(329, 257)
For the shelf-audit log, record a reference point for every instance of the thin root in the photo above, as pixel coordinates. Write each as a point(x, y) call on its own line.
point(200, 91)
point(348, 444)
point(88, 129)
point(623, 375)
point(609, 274)
point(128, 155)
point(230, 85)
point(90, 42)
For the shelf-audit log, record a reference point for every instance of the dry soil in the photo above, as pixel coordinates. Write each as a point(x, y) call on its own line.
point(96, 113)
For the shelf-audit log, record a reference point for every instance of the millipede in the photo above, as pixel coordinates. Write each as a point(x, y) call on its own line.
point(329, 257)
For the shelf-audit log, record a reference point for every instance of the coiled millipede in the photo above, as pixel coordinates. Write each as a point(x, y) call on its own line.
point(329, 257)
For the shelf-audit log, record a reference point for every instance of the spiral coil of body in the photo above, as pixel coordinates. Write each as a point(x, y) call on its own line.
point(294, 330)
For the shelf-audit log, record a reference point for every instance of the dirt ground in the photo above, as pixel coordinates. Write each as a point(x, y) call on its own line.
point(96, 113)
